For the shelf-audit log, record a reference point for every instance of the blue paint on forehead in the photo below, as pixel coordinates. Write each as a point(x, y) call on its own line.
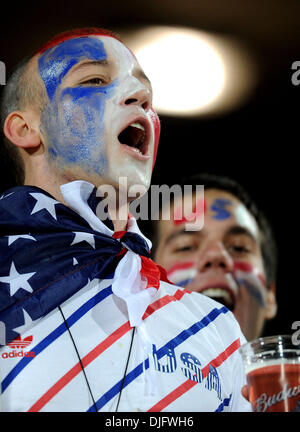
point(219, 208)
point(56, 62)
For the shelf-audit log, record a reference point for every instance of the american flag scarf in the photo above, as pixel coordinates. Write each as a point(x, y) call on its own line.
point(49, 251)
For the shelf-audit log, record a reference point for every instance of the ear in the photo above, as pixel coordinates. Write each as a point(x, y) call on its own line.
point(21, 128)
point(271, 305)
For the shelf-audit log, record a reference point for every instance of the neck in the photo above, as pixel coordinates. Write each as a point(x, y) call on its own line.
point(119, 225)
point(51, 184)
point(46, 182)
point(119, 216)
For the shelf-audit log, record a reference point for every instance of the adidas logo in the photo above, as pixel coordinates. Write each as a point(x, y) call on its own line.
point(20, 343)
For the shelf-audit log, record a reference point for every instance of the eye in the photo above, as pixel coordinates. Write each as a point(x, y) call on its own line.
point(184, 248)
point(240, 249)
point(94, 81)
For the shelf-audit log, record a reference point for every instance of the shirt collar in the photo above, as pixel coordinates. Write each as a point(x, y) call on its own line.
point(81, 197)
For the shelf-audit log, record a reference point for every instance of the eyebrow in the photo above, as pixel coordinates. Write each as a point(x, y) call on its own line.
point(239, 230)
point(141, 74)
point(235, 230)
point(180, 233)
point(88, 63)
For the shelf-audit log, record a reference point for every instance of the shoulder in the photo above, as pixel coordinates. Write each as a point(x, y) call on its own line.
point(204, 312)
point(198, 304)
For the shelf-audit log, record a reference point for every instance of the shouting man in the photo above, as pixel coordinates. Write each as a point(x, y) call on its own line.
point(91, 321)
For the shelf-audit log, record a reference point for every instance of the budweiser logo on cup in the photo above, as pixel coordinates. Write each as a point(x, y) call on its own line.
point(264, 401)
point(272, 366)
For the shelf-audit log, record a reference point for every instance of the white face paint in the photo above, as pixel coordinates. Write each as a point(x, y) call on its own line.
point(245, 219)
point(96, 91)
point(130, 104)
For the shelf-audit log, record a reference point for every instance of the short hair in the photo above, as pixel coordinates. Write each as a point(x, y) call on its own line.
point(19, 91)
point(23, 90)
point(268, 243)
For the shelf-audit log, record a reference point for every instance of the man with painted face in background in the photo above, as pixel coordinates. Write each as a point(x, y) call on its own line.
point(91, 321)
point(231, 259)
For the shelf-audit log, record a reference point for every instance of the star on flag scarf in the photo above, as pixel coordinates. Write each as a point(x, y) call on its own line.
point(49, 251)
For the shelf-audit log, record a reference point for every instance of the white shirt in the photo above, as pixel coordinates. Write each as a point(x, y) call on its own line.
point(184, 354)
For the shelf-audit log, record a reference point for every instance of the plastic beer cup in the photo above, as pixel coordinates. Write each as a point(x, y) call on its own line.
point(272, 366)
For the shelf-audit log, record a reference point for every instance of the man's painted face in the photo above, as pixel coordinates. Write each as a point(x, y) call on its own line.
point(222, 261)
point(98, 124)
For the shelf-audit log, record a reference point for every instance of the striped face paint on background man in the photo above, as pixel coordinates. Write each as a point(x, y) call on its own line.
point(223, 260)
point(98, 124)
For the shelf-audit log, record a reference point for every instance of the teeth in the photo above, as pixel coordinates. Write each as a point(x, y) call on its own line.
point(136, 150)
point(138, 126)
point(218, 293)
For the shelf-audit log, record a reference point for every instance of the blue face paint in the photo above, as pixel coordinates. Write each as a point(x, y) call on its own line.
point(219, 207)
point(55, 63)
point(73, 118)
point(254, 291)
point(184, 283)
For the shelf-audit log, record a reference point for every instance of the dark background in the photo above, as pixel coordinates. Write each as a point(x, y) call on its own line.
point(255, 143)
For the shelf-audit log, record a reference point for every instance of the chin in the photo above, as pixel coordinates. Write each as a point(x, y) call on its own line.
point(135, 178)
point(139, 181)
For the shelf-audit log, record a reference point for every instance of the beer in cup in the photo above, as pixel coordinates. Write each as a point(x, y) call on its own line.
point(272, 366)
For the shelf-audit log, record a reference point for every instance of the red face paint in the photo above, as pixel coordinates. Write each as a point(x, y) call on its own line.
point(156, 126)
point(181, 266)
point(248, 268)
point(71, 34)
point(182, 274)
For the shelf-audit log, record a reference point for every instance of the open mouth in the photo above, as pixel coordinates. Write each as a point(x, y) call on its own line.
point(221, 295)
point(135, 137)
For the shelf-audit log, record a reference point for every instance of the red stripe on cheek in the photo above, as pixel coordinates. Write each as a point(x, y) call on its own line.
point(246, 267)
point(180, 266)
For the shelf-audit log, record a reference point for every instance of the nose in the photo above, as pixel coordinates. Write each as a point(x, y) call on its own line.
point(215, 257)
point(138, 95)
